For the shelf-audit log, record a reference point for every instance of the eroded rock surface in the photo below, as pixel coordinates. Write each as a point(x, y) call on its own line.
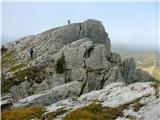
point(77, 52)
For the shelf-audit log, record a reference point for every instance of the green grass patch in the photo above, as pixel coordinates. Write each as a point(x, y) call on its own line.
point(34, 112)
point(8, 58)
point(53, 115)
point(16, 67)
point(31, 74)
point(95, 111)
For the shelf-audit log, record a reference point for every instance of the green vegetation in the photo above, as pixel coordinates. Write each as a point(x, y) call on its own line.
point(60, 65)
point(95, 111)
point(52, 115)
point(60, 111)
point(23, 113)
point(16, 67)
point(8, 58)
point(155, 85)
point(130, 117)
point(31, 74)
point(137, 106)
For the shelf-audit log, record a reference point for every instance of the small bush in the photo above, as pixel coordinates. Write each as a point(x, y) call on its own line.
point(155, 85)
point(60, 65)
point(23, 113)
point(137, 106)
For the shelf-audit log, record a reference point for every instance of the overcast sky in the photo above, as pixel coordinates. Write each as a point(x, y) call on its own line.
point(134, 23)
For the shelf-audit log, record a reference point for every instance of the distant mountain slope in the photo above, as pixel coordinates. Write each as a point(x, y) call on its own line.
point(148, 60)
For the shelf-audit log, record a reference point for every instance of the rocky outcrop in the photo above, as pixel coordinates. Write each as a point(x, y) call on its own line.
point(87, 59)
point(53, 95)
point(49, 42)
point(140, 100)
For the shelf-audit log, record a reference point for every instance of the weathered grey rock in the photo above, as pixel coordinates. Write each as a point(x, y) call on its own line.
point(20, 91)
point(88, 60)
point(112, 76)
point(75, 52)
point(129, 70)
point(115, 58)
point(56, 80)
point(94, 81)
point(49, 42)
point(140, 95)
point(53, 95)
point(44, 61)
point(78, 74)
point(40, 87)
point(97, 59)
point(94, 30)
point(142, 76)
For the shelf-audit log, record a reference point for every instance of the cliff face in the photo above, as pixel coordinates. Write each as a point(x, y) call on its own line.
point(78, 52)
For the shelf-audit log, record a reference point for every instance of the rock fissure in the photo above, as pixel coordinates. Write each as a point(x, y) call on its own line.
point(86, 80)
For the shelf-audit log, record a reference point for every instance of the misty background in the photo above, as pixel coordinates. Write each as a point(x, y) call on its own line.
point(132, 24)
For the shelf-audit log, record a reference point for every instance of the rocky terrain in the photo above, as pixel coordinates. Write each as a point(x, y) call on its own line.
point(146, 59)
point(72, 66)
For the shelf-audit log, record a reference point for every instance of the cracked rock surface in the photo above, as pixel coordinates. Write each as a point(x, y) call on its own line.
point(88, 61)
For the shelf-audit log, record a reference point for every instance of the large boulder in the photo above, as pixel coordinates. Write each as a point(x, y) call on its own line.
point(129, 70)
point(20, 91)
point(53, 95)
point(94, 30)
point(98, 58)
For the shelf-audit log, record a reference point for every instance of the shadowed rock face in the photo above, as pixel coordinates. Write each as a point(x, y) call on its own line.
point(85, 48)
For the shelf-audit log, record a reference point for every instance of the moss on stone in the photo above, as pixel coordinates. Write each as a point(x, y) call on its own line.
point(30, 74)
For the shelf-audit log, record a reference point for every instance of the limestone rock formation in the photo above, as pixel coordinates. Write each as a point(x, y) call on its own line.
point(78, 52)
point(140, 100)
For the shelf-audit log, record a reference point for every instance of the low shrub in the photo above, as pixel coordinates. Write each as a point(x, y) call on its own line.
point(137, 106)
point(155, 85)
point(60, 65)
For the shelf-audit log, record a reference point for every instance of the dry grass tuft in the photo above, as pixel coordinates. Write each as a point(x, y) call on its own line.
point(23, 113)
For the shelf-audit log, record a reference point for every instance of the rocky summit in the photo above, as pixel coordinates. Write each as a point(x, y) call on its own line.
point(76, 61)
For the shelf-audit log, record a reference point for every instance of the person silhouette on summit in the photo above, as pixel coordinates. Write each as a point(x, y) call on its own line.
point(69, 21)
point(31, 52)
